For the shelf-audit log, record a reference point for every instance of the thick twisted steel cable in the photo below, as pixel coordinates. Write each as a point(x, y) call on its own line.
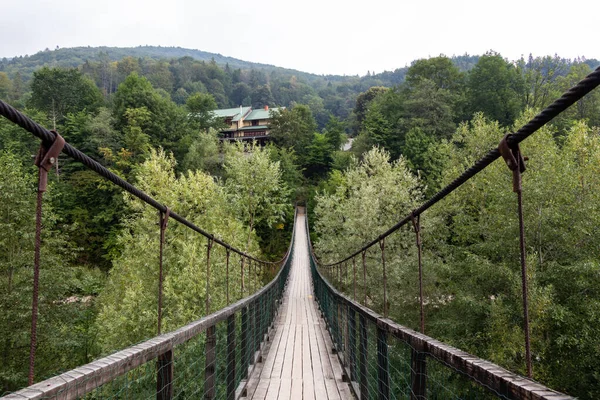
point(15, 116)
point(568, 98)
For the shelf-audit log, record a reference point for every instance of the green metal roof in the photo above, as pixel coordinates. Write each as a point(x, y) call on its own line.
point(233, 113)
point(261, 113)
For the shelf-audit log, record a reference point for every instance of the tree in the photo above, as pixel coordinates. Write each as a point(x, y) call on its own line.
point(587, 107)
point(364, 201)
point(201, 106)
point(319, 158)
point(127, 66)
point(440, 70)
point(262, 96)
point(204, 153)
point(539, 76)
point(128, 305)
point(5, 86)
point(165, 124)
point(495, 87)
point(429, 108)
point(254, 186)
point(362, 104)
point(294, 128)
point(58, 92)
point(334, 132)
point(18, 87)
point(60, 290)
point(239, 93)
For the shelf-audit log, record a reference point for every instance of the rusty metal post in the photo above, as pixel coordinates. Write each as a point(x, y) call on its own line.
point(163, 221)
point(227, 254)
point(209, 246)
point(385, 302)
point(45, 159)
point(354, 277)
point(516, 163)
point(417, 228)
point(364, 263)
point(241, 277)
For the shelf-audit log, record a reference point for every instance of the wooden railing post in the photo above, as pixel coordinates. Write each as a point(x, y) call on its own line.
point(383, 370)
point(231, 357)
point(244, 350)
point(364, 384)
point(209, 366)
point(164, 376)
point(418, 375)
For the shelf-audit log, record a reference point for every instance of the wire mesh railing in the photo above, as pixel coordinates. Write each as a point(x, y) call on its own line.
point(386, 360)
point(210, 357)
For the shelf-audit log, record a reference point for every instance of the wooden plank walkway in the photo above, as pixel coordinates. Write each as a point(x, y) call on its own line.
point(299, 363)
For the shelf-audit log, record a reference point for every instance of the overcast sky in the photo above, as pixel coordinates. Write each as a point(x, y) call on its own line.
point(320, 36)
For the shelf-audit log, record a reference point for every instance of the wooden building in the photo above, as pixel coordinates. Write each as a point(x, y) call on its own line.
point(246, 124)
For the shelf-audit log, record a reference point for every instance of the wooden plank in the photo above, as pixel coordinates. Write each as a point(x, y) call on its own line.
point(308, 389)
point(297, 358)
point(285, 390)
point(273, 392)
point(261, 390)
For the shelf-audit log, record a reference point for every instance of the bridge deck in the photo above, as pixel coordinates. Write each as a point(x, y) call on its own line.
point(299, 363)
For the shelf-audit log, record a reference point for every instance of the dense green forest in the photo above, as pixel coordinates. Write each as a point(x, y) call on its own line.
point(145, 114)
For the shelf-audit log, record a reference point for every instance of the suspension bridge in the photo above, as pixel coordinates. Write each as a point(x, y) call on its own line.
point(300, 335)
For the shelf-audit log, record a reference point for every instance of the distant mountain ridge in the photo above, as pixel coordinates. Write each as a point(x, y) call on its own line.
point(75, 56)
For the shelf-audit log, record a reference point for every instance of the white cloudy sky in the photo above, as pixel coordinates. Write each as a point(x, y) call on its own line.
point(319, 36)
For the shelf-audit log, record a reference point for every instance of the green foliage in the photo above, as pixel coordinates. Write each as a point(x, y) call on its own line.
point(440, 70)
point(128, 305)
point(65, 307)
point(204, 154)
point(496, 88)
point(362, 104)
point(472, 277)
point(58, 92)
point(370, 194)
point(164, 123)
point(254, 187)
point(200, 106)
point(319, 158)
point(18, 141)
point(334, 132)
point(5, 86)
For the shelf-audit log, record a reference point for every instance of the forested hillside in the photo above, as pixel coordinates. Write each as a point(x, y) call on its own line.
point(145, 113)
point(232, 82)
